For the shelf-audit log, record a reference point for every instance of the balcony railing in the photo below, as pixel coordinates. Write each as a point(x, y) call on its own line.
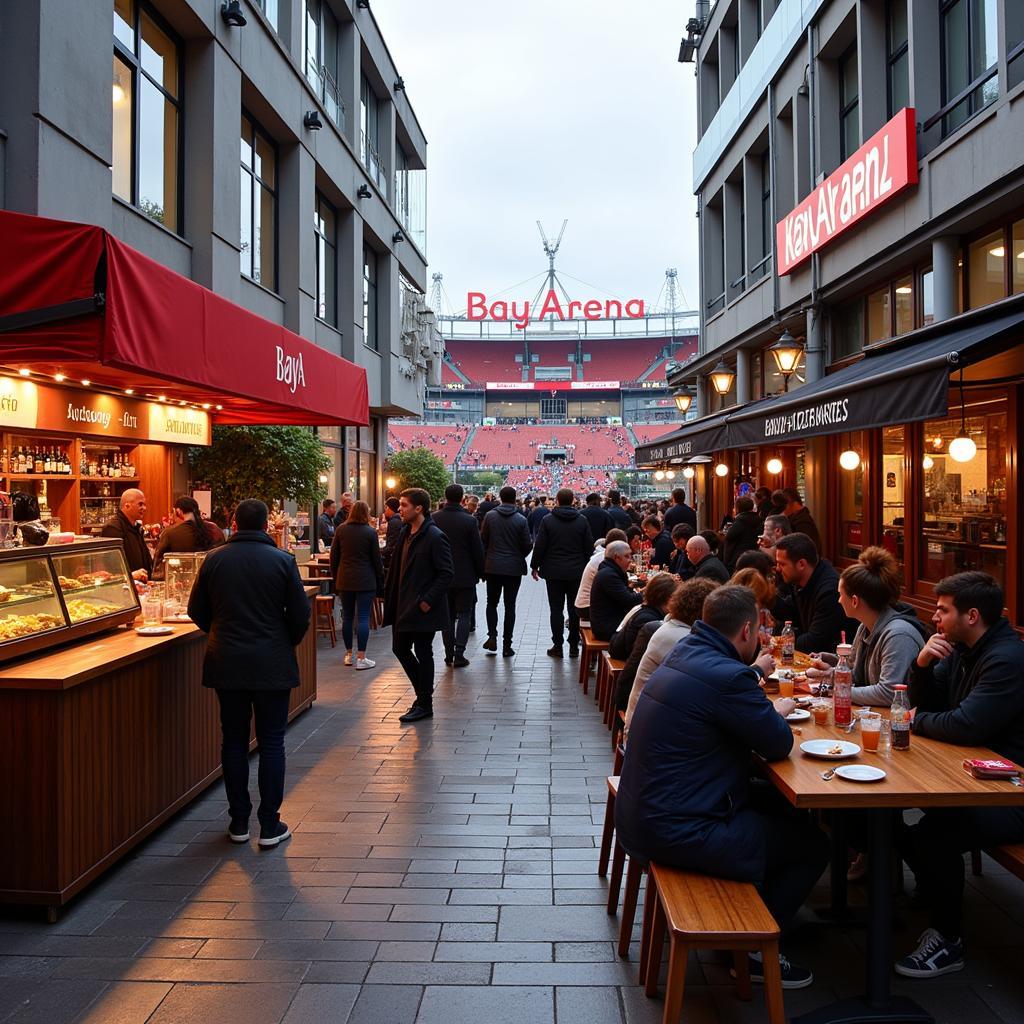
point(373, 164)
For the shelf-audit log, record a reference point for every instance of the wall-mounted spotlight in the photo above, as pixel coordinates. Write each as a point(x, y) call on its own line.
point(231, 13)
point(399, 83)
point(397, 237)
point(688, 46)
point(364, 4)
point(364, 191)
point(311, 120)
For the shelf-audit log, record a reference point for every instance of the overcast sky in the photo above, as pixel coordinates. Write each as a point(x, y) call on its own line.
point(552, 109)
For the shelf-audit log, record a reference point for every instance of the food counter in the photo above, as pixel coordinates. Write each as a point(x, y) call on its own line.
point(101, 742)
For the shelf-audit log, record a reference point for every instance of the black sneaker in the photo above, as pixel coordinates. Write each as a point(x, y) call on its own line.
point(460, 661)
point(935, 955)
point(554, 652)
point(491, 644)
point(416, 714)
point(507, 652)
point(448, 658)
point(274, 835)
point(238, 831)
point(574, 651)
point(793, 976)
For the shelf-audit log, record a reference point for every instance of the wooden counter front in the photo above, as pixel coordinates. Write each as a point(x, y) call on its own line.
point(100, 744)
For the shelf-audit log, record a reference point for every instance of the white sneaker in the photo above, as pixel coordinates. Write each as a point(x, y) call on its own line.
point(362, 663)
point(348, 658)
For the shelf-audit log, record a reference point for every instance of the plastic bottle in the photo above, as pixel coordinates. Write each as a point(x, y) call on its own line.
point(842, 687)
point(788, 644)
point(899, 718)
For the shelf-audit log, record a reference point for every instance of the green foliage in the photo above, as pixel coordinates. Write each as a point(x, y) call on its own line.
point(484, 479)
point(419, 467)
point(269, 463)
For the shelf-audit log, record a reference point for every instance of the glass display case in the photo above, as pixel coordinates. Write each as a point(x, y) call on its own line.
point(52, 595)
point(180, 571)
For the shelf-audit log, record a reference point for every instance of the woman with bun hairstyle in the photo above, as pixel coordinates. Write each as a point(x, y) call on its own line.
point(190, 532)
point(890, 635)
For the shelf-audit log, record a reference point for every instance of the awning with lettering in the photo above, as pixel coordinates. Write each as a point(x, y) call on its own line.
point(76, 301)
point(900, 382)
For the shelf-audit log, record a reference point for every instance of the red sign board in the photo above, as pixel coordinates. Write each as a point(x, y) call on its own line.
point(879, 171)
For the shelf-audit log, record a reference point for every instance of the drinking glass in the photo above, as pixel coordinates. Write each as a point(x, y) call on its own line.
point(785, 686)
point(870, 729)
point(820, 710)
point(152, 609)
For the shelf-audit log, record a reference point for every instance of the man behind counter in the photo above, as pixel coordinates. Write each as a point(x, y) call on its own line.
point(127, 526)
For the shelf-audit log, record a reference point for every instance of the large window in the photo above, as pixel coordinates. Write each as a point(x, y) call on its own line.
point(325, 226)
point(1017, 246)
point(894, 511)
point(147, 113)
point(897, 61)
point(884, 313)
point(320, 46)
point(1014, 20)
point(986, 270)
point(269, 9)
point(849, 104)
point(370, 337)
point(411, 198)
point(369, 133)
point(964, 503)
point(258, 249)
point(969, 58)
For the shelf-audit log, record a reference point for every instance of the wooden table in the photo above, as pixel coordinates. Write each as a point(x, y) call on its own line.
point(929, 774)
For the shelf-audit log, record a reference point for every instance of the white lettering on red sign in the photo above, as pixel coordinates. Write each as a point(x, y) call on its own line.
point(882, 168)
point(289, 370)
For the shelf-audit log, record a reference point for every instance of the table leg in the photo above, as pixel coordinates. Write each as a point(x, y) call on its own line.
point(837, 910)
point(879, 1005)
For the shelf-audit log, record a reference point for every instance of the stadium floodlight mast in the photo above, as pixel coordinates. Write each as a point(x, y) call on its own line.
point(551, 278)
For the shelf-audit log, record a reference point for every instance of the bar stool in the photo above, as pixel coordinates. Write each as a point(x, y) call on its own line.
point(324, 608)
point(589, 653)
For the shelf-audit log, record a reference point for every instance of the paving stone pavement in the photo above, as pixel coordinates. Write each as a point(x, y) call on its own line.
point(440, 873)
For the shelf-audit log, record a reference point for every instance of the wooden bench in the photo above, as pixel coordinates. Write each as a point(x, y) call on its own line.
point(589, 653)
point(1010, 857)
point(701, 912)
point(619, 729)
point(611, 848)
point(608, 672)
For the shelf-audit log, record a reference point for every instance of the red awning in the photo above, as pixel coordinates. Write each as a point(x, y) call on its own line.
point(76, 300)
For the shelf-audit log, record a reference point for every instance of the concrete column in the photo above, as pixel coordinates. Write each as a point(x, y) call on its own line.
point(734, 262)
point(871, 69)
point(727, 44)
point(350, 282)
point(752, 204)
point(785, 180)
point(742, 376)
point(350, 72)
point(814, 351)
point(386, 134)
point(925, 82)
point(945, 251)
point(699, 397)
point(296, 274)
point(803, 177)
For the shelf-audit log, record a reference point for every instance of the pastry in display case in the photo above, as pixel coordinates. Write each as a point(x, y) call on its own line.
point(54, 595)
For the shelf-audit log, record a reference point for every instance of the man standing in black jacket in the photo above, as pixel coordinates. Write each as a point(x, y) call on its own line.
point(812, 600)
point(610, 596)
point(742, 533)
point(968, 689)
point(392, 529)
point(250, 600)
point(507, 542)
point(463, 534)
point(127, 526)
point(537, 516)
point(414, 597)
point(484, 507)
point(561, 551)
point(597, 518)
point(621, 519)
point(679, 512)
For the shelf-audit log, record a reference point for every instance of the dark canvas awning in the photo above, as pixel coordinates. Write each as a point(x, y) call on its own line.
point(898, 383)
point(698, 437)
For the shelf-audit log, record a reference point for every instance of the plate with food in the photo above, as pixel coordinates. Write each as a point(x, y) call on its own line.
point(830, 750)
point(860, 773)
point(798, 715)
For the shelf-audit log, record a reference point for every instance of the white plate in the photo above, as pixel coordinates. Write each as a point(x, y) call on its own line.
point(823, 748)
point(177, 618)
point(860, 773)
point(799, 715)
point(154, 630)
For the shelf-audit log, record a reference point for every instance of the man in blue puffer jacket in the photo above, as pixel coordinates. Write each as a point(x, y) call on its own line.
point(685, 795)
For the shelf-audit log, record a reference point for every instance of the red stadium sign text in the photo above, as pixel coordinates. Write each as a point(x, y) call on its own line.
point(520, 313)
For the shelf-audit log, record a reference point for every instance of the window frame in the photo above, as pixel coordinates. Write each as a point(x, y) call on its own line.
point(371, 304)
point(318, 81)
point(848, 107)
point(258, 183)
point(323, 242)
point(976, 79)
point(369, 142)
point(893, 56)
point(132, 61)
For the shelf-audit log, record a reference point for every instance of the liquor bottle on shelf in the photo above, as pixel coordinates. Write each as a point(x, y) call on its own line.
point(118, 467)
point(83, 465)
point(3, 463)
point(47, 461)
point(39, 463)
point(94, 469)
point(66, 463)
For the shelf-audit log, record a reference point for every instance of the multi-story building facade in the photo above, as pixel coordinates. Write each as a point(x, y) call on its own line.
point(278, 162)
point(861, 196)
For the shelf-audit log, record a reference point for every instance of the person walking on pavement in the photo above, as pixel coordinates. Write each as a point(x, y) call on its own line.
point(537, 516)
point(560, 554)
point(458, 525)
point(484, 507)
point(249, 599)
point(414, 597)
point(506, 538)
point(358, 578)
point(597, 518)
point(392, 528)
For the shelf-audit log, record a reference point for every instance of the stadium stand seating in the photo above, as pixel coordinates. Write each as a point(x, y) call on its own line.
point(517, 446)
point(624, 360)
point(647, 432)
point(554, 355)
point(448, 374)
point(531, 481)
point(483, 361)
point(444, 441)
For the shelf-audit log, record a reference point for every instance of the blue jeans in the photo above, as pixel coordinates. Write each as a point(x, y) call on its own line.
point(353, 601)
point(236, 709)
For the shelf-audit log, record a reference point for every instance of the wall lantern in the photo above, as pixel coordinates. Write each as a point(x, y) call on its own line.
point(689, 472)
point(849, 459)
point(786, 352)
point(683, 397)
point(722, 378)
point(774, 465)
point(721, 469)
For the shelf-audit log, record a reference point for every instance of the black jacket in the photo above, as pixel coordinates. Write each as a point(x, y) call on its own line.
point(817, 617)
point(803, 522)
point(741, 536)
point(610, 599)
point(620, 517)
point(598, 520)
point(680, 564)
point(676, 514)
point(325, 529)
point(662, 549)
point(392, 529)
point(506, 540)
point(249, 598)
point(536, 517)
point(563, 545)
point(482, 509)
point(355, 558)
point(425, 577)
point(624, 685)
point(711, 567)
point(975, 697)
point(136, 552)
point(463, 535)
point(622, 640)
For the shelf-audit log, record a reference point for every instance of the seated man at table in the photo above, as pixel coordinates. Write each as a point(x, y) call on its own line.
point(685, 796)
point(610, 596)
point(967, 688)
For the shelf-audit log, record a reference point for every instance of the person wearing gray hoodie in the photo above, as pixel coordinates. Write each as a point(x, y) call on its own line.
point(890, 635)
